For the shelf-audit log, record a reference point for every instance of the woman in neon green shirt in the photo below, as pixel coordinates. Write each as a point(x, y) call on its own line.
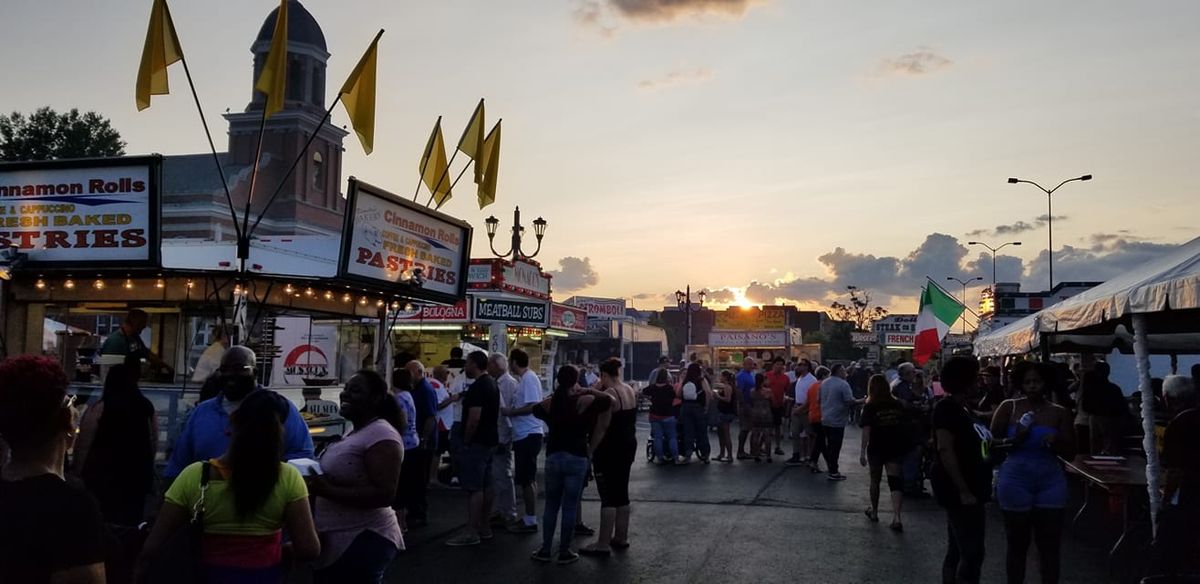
point(250, 497)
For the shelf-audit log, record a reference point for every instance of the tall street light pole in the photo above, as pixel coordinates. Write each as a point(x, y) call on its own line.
point(684, 301)
point(964, 295)
point(993, 250)
point(1049, 217)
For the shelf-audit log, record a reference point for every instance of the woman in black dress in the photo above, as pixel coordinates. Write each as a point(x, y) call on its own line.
point(612, 460)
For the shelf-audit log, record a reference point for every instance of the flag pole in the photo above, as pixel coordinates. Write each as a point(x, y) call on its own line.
point(243, 248)
point(428, 154)
point(208, 134)
point(292, 168)
point(433, 192)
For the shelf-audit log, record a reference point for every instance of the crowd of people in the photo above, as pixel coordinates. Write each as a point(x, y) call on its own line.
point(247, 496)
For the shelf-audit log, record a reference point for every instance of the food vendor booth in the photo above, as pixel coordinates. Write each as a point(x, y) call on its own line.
point(85, 246)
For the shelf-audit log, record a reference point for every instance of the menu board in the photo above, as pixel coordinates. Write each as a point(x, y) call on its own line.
point(388, 238)
point(82, 212)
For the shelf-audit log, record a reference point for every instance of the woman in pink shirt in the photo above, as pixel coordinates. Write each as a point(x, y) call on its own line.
point(359, 531)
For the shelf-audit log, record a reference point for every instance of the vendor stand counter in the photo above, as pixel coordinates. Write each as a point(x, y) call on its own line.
point(1123, 478)
point(173, 402)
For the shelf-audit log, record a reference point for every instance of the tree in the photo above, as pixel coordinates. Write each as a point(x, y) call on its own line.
point(46, 135)
point(859, 311)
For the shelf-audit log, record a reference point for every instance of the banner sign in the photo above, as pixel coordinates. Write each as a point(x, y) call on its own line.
point(752, 318)
point(568, 318)
point(436, 313)
point(749, 339)
point(896, 323)
point(600, 308)
point(515, 312)
point(863, 338)
point(82, 212)
point(387, 238)
point(307, 351)
point(522, 277)
point(898, 340)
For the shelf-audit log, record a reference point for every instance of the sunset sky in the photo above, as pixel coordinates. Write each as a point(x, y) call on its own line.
point(767, 149)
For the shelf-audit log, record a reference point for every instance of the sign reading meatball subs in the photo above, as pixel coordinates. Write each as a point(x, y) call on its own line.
point(387, 239)
point(94, 211)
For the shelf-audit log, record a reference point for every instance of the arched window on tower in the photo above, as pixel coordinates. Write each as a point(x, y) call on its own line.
point(318, 163)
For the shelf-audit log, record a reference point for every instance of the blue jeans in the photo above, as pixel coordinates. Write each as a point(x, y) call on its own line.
point(564, 478)
point(695, 430)
point(663, 432)
point(365, 561)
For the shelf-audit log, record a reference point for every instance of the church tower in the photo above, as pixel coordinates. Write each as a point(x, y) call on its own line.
point(311, 202)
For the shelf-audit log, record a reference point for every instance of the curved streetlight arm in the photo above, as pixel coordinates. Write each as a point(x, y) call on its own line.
point(534, 254)
point(492, 244)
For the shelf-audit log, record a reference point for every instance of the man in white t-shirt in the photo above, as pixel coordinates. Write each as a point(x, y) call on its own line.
point(504, 505)
point(804, 380)
point(456, 389)
point(527, 438)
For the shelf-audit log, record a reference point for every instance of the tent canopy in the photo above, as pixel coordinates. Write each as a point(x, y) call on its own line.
point(1166, 291)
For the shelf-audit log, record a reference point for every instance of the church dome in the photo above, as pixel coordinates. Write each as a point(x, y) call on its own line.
point(302, 27)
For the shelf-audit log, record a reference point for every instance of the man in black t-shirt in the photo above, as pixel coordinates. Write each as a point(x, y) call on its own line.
point(481, 412)
point(962, 472)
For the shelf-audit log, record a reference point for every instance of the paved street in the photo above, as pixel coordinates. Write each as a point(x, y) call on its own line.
point(739, 522)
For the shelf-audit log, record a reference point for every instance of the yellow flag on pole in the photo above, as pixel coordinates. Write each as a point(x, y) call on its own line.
point(433, 165)
point(471, 142)
point(491, 167)
point(160, 51)
point(273, 79)
point(358, 96)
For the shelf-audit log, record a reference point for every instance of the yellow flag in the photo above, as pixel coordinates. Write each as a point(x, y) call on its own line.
point(471, 142)
point(491, 167)
point(433, 166)
point(273, 79)
point(358, 96)
point(160, 51)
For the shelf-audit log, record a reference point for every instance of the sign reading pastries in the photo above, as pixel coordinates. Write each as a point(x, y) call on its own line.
point(72, 212)
point(387, 238)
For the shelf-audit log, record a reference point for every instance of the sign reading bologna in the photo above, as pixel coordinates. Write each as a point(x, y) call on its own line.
point(436, 313)
point(98, 211)
point(387, 238)
point(516, 312)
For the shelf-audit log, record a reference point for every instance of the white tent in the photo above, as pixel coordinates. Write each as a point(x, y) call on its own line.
point(1152, 309)
point(1015, 338)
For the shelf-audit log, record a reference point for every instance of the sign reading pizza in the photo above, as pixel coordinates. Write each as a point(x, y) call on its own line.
point(388, 239)
point(101, 211)
point(568, 318)
point(751, 318)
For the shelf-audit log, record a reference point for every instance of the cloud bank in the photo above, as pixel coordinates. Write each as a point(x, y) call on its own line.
point(921, 62)
point(573, 274)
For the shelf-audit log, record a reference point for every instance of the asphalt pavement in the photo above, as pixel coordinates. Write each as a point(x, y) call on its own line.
point(741, 522)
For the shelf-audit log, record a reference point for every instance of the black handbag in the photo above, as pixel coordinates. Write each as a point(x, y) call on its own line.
point(179, 560)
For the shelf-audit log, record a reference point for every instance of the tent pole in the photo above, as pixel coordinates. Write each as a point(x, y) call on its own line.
point(1141, 352)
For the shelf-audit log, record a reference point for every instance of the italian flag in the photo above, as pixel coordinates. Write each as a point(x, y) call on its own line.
point(938, 312)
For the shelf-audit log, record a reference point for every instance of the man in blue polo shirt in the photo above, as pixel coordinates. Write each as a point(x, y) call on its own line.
point(745, 386)
point(206, 434)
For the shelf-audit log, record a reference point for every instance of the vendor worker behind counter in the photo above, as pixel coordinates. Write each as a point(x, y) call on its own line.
point(126, 341)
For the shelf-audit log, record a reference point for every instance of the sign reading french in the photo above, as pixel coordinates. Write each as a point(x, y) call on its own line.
point(387, 238)
point(98, 211)
point(514, 312)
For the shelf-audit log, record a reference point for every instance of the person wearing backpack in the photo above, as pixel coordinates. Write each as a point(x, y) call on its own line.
point(695, 392)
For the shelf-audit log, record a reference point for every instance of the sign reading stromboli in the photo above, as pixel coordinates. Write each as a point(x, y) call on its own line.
point(386, 238)
point(82, 212)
